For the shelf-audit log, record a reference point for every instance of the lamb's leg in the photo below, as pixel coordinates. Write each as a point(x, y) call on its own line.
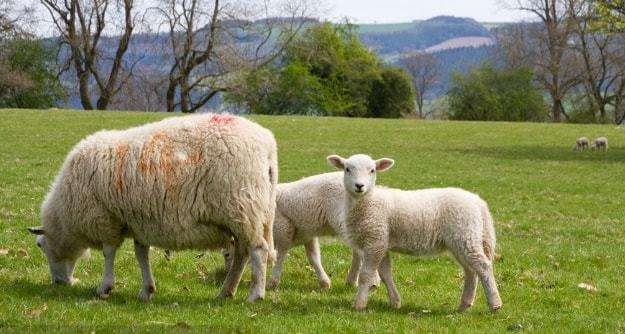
point(367, 278)
point(109, 271)
point(142, 253)
point(484, 269)
point(276, 271)
point(468, 292)
point(354, 269)
point(314, 257)
point(259, 269)
point(387, 277)
point(229, 287)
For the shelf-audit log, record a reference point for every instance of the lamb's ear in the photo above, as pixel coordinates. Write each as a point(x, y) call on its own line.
point(384, 164)
point(36, 230)
point(336, 161)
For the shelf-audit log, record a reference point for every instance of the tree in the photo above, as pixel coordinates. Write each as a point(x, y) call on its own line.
point(488, 94)
point(552, 60)
point(81, 26)
point(212, 41)
point(391, 94)
point(610, 15)
point(423, 69)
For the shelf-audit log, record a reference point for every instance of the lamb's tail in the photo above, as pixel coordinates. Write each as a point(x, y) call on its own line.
point(488, 238)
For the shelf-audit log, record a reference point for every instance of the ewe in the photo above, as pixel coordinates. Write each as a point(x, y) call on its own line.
point(380, 219)
point(190, 182)
point(581, 144)
point(305, 210)
point(600, 144)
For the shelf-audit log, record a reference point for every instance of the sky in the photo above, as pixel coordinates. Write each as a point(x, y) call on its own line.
point(391, 11)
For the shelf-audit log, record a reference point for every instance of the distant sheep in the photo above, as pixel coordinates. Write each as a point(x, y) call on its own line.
point(306, 209)
point(190, 182)
point(581, 144)
point(420, 222)
point(600, 144)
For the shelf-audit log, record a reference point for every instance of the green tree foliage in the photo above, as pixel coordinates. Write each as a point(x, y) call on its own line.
point(27, 78)
point(326, 71)
point(610, 15)
point(489, 94)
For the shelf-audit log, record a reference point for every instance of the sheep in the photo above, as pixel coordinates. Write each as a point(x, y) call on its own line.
point(581, 144)
point(379, 220)
point(192, 182)
point(600, 144)
point(305, 210)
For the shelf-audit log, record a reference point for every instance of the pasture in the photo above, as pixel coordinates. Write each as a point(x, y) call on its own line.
point(559, 214)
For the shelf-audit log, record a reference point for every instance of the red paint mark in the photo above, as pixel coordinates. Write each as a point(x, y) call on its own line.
point(222, 119)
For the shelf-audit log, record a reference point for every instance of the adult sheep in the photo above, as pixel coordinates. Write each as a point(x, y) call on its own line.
point(420, 222)
point(193, 182)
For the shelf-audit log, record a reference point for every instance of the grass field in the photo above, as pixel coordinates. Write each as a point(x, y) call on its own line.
point(560, 222)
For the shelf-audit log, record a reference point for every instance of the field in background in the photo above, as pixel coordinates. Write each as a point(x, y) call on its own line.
point(560, 222)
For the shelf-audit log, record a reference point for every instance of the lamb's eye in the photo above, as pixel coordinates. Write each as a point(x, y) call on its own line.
point(372, 171)
point(347, 170)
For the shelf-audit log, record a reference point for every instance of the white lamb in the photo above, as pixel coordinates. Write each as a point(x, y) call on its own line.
point(305, 210)
point(600, 144)
point(418, 222)
point(581, 144)
point(181, 183)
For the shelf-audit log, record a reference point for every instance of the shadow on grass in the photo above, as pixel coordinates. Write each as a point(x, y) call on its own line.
point(545, 154)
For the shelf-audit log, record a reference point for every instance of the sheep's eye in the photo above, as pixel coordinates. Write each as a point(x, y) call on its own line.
point(39, 244)
point(347, 170)
point(372, 171)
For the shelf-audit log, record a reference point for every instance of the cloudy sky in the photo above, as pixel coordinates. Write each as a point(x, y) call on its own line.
point(388, 11)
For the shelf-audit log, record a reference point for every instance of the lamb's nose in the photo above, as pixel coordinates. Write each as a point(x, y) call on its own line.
point(359, 186)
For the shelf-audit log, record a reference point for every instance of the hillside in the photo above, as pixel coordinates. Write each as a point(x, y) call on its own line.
point(559, 221)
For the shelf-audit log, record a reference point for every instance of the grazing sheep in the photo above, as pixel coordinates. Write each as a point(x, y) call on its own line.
point(190, 182)
point(581, 144)
point(305, 210)
point(418, 222)
point(600, 144)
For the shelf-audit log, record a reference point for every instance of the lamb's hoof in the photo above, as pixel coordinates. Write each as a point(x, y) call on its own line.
point(396, 304)
point(146, 293)
point(255, 296)
point(273, 283)
point(225, 294)
point(73, 281)
point(325, 284)
point(359, 306)
point(463, 307)
point(104, 291)
point(496, 308)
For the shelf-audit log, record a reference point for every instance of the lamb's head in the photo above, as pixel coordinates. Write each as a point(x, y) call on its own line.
point(359, 172)
point(61, 267)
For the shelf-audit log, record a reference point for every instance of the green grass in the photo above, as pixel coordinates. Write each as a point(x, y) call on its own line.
point(560, 222)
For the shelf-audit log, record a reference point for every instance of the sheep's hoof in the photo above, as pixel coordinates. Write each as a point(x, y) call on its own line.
point(273, 283)
point(104, 291)
point(146, 293)
point(463, 307)
point(255, 296)
point(225, 294)
point(496, 308)
point(359, 306)
point(396, 304)
point(325, 284)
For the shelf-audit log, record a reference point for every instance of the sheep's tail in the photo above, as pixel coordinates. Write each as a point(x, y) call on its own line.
point(488, 238)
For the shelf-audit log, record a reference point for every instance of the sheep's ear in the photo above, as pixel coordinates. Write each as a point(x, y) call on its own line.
point(384, 164)
point(336, 161)
point(36, 230)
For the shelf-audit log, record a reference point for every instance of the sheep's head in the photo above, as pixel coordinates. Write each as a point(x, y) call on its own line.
point(359, 172)
point(61, 269)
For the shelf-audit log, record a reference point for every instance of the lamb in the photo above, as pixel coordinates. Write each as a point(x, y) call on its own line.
point(379, 220)
point(191, 182)
point(600, 144)
point(305, 210)
point(581, 144)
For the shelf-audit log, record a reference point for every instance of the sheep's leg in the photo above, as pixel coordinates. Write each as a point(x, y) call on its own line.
point(259, 269)
point(354, 269)
point(109, 271)
point(229, 287)
point(484, 269)
point(387, 277)
point(276, 271)
point(142, 253)
point(314, 257)
point(470, 287)
point(367, 278)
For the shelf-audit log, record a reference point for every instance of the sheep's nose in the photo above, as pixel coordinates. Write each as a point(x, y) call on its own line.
point(359, 186)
